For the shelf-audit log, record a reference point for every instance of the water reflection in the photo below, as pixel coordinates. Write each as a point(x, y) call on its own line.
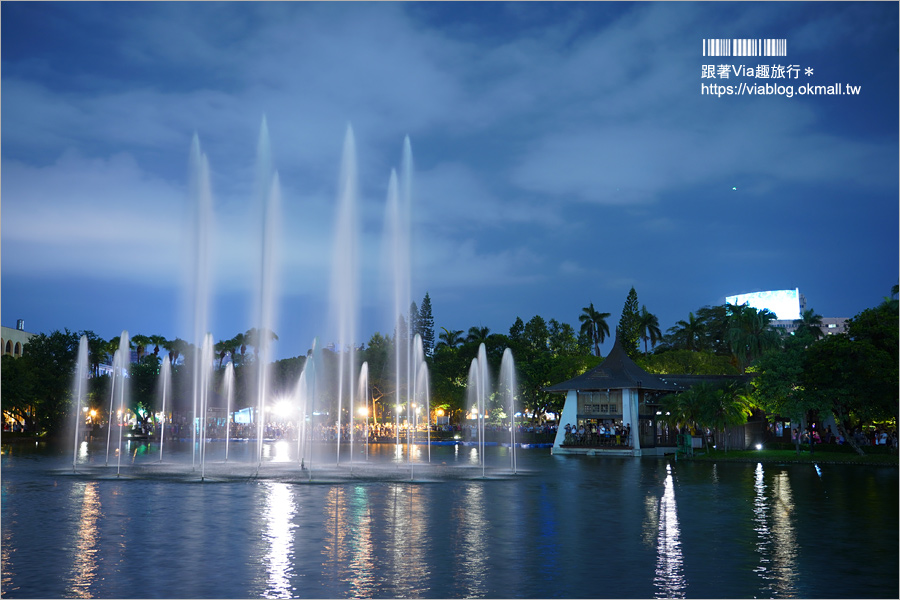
point(407, 519)
point(279, 522)
point(84, 569)
point(470, 541)
point(362, 551)
point(776, 543)
point(669, 578)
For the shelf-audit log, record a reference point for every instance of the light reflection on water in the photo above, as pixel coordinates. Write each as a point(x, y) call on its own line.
point(84, 569)
point(362, 552)
point(669, 579)
point(727, 530)
point(470, 541)
point(776, 543)
point(279, 557)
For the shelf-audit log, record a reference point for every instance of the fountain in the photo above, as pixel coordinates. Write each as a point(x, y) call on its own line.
point(352, 382)
point(228, 385)
point(508, 389)
point(344, 277)
point(165, 375)
point(79, 389)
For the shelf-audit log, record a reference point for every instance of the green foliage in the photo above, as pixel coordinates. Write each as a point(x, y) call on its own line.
point(687, 362)
point(450, 337)
point(810, 324)
point(594, 328)
point(749, 334)
point(37, 389)
point(649, 327)
point(426, 325)
point(143, 381)
point(708, 405)
point(629, 329)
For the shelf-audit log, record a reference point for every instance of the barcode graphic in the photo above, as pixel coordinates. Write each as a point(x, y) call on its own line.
point(745, 47)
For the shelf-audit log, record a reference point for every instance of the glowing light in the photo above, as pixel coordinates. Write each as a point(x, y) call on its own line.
point(440, 412)
point(363, 411)
point(759, 446)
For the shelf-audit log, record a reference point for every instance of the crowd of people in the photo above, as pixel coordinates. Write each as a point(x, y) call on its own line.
point(602, 433)
point(875, 437)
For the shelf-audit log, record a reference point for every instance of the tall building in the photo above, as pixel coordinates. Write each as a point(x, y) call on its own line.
point(788, 306)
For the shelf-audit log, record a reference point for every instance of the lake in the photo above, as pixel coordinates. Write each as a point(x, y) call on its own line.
point(560, 527)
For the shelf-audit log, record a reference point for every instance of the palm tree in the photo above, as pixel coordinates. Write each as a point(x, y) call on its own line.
point(749, 334)
point(451, 338)
point(478, 334)
point(728, 407)
point(140, 342)
point(157, 341)
point(594, 326)
point(649, 325)
point(687, 334)
point(175, 348)
point(810, 322)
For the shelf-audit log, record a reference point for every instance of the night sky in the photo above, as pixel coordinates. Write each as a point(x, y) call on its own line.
point(563, 153)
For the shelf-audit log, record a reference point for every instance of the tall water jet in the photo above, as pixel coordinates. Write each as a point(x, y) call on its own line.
point(484, 385)
point(508, 389)
point(79, 389)
point(165, 376)
point(362, 394)
point(124, 357)
point(475, 401)
point(412, 405)
point(300, 401)
point(394, 233)
point(404, 266)
point(121, 358)
point(423, 390)
point(269, 195)
point(344, 276)
point(205, 369)
point(228, 385)
point(201, 196)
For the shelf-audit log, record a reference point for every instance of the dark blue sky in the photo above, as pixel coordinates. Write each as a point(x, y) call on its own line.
point(564, 152)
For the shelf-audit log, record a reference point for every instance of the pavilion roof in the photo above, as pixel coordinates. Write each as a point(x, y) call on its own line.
point(617, 371)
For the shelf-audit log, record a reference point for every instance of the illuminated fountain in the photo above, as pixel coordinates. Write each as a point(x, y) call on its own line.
point(352, 381)
point(79, 389)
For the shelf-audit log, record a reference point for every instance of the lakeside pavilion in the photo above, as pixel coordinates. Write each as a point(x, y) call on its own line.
point(616, 403)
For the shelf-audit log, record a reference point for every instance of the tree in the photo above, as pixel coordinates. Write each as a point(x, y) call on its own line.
point(809, 322)
point(140, 343)
point(415, 321)
point(777, 386)
point(561, 339)
point(96, 351)
point(426, 323)
point(478, 334)
point(688, 362)
point(629, 329)
point(42, 400)
point(729, 406)
point(649, 327)
point(594, 326)
point(714, 329)
point(749, 333)
point(157, 341)
point(855, 374)
point(451, 338)
point(687, 335)
point(687, 408)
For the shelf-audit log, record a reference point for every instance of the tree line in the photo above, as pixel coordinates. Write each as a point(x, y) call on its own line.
point(848, 375)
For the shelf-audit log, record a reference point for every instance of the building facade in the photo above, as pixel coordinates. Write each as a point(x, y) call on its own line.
point(13, 341)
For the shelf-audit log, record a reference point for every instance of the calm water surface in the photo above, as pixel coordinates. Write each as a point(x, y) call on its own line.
point(569, 527)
